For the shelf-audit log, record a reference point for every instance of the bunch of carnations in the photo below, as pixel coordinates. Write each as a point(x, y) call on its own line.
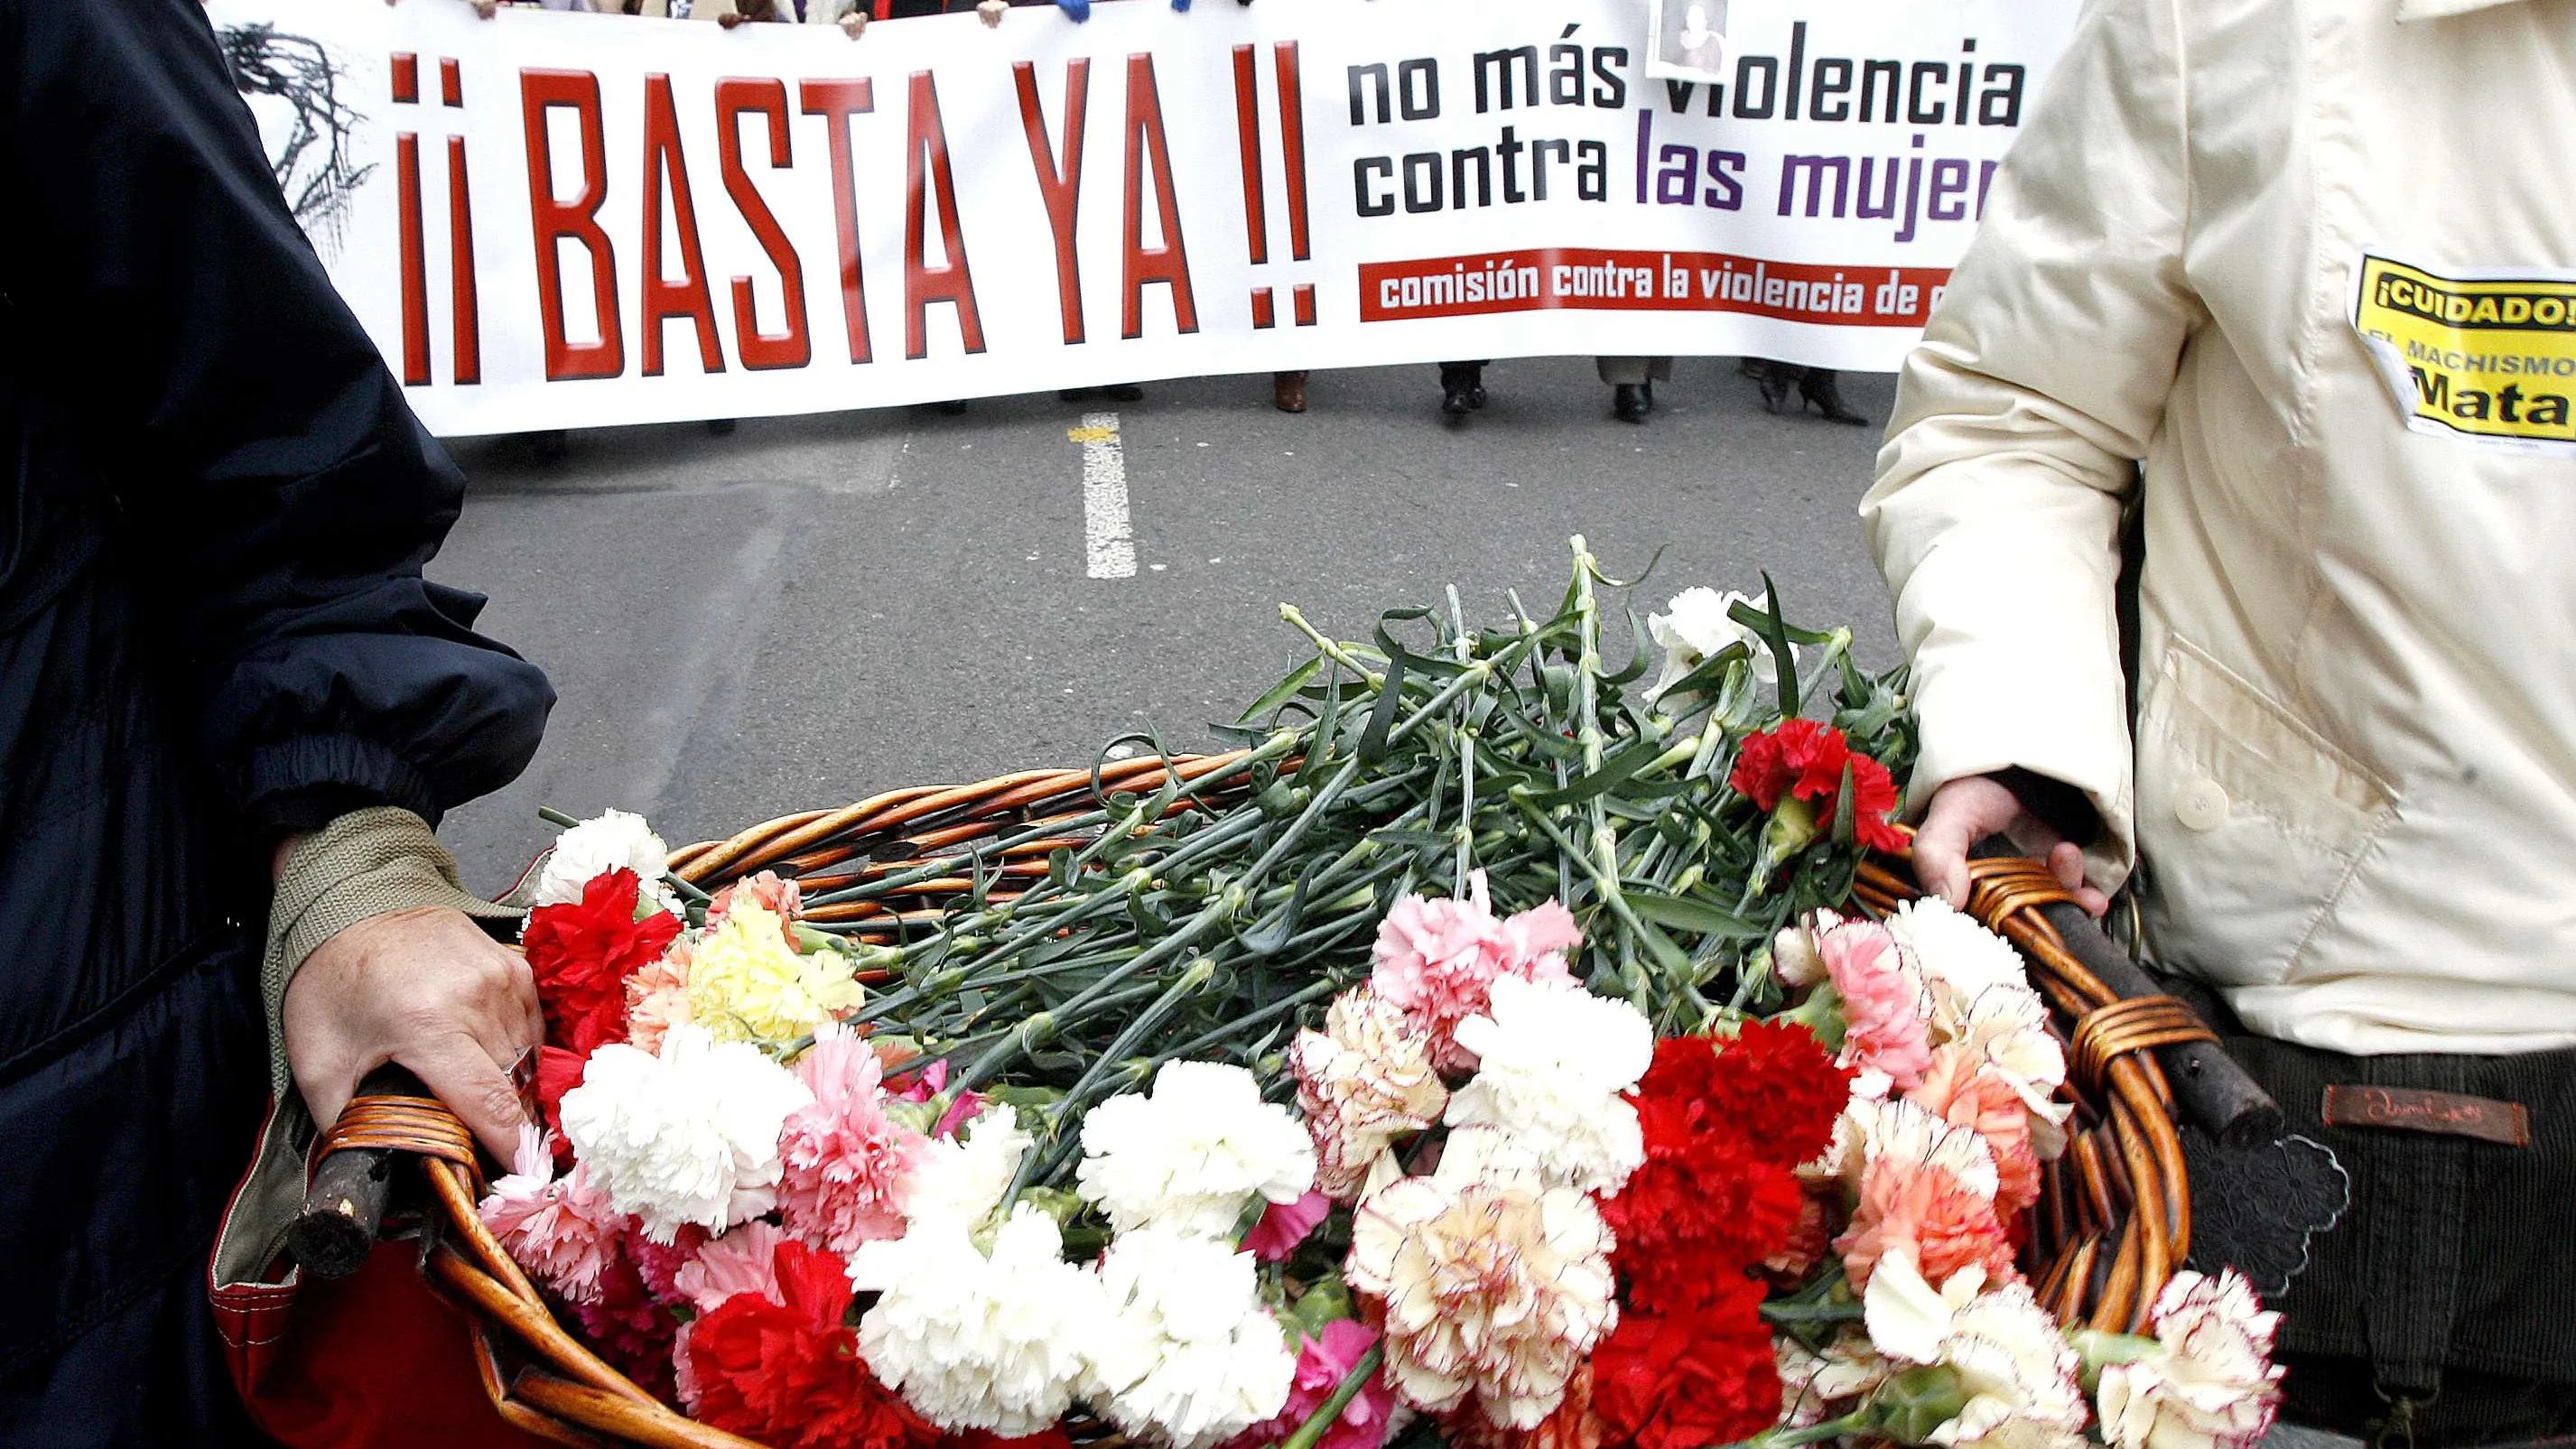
point(1919, 1327)
point(1671, 1156)
point(742, 1212)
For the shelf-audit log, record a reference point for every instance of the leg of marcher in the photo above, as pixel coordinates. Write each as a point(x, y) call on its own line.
point(1627, 378)
point(1288, 391)
point(1462, 388)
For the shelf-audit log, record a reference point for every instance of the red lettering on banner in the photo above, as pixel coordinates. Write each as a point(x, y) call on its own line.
point(1292, 144)
point(415, 267)
point(737, 97)
point(577, 220)
point(836, 101)
point(1247, 135)
point(1170, 262)
point(930, 182)
point(664, 299)
point(464, 300)
point(1061, 186)
point(1585, 279)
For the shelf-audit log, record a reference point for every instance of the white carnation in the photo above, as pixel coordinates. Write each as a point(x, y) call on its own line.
point(596, 847)
point(959, 1182)
point(2209, 1383)
point(1194, 1154)
point(1698, 628)
point(2008, 1025)
point(2023, 1382)
point(1553, 1060)
point(1190, 1357)
point(997, 1343)
point(1960, 960)
point(1900, 1131)
point(689, 1136)
point(2020, 1381)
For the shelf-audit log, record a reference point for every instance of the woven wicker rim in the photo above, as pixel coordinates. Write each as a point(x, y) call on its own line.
point(2094, 1258)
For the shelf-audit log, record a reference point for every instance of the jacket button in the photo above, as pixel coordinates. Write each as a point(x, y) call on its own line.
point(2202, 805)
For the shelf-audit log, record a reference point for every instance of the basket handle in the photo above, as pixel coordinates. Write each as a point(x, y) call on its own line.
point(344, 1205)
point(2217, 1093)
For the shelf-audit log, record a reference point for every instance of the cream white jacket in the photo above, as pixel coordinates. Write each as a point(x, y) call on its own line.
point(2351, 768)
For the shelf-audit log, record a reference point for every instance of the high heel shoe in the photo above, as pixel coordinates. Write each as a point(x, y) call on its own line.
point(1822, 390)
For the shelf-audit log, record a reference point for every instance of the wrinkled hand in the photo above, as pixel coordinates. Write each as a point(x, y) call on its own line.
point(425, 989)
point(1968, 810)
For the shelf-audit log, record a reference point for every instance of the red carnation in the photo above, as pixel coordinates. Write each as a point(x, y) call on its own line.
point(1681, 1381)
point(1773, 1078)
point(581, 954)
point(1805, 760)
point(1725, 1126)
point(789, 1373)
point(558, 1072)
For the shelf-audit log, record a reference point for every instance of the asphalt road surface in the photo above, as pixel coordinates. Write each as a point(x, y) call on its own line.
point(815, 609)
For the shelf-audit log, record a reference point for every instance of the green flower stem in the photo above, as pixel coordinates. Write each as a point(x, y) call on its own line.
point(1852, 1423)
point(1314, 991)
point(1799, 1315)
point(1331, 649)
point(1311, 1433)
point(1587, 735)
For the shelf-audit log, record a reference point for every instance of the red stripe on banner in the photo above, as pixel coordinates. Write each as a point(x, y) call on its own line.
point(1292, 144)
point(1305, 296)
point(1247, 131)
point(1585, 279)
point(1264, 315)
point(451, 82)
point(406, 78)
point(415, 282)
point(465, 300)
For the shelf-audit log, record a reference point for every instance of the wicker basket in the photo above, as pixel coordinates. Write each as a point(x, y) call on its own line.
point(2113, 1221)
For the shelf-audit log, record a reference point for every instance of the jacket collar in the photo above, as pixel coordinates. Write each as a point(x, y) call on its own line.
point(2412, 10)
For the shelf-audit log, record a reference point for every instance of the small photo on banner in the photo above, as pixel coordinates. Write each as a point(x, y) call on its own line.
point(1687, 40)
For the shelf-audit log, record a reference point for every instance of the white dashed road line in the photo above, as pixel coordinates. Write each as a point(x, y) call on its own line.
point(1110, 549)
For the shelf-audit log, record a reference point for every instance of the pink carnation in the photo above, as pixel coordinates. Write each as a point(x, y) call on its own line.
point(929, 1082)
point(657, 998)
point(844, 1161)
point(1887, 1014)
point(1438, 958)
point(1961, 1089)
point(658, 1265)
point(1284, 1225)
point(781, 898)
point(742, 1261)
point(1322, 1364)
point(561, 1230)
point(1923, 1212)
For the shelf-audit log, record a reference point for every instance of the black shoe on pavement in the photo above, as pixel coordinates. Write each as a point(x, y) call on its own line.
point(950, 407)
point(1777, 379)
point(720, 427)
point(1462, 388)
point(1628, 402)
point(1821, 390)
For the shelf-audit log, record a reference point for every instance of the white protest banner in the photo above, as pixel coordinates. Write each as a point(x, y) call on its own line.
point(553, 219)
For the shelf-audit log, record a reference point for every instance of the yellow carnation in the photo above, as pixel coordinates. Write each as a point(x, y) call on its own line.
point(747, 984)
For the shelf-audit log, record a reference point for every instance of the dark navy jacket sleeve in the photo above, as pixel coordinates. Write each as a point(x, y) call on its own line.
point(275, 493)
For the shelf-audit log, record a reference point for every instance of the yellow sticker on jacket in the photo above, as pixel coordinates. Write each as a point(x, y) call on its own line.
point(2491, 356)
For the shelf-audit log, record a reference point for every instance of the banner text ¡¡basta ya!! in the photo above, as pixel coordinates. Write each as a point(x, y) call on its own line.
point(563, 220)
